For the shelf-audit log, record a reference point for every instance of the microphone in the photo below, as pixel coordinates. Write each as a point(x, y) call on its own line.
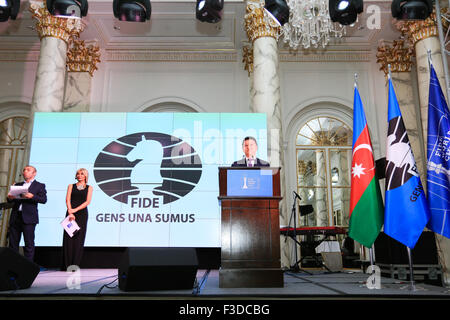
point(296, 195)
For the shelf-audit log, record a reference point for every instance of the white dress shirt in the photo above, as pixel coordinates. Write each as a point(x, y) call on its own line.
point(250, 162)
point(26, 184)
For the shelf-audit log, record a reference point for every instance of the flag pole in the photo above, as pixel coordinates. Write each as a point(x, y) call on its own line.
point(413, 287)
point(371, 261)
point(375, 280)
point(371, 256)
point(430, 62)
point(411, 272)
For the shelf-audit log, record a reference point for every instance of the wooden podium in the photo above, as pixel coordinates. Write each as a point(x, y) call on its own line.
point(250, 255)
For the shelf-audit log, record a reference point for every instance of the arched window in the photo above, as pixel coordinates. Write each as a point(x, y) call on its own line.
point(169, 107)
point(13, 142)
point(323, 154)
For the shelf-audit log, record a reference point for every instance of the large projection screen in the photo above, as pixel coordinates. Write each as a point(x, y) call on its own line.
point(155, 175)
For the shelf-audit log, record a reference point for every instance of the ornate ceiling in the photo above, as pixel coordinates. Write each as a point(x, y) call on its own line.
point(173, 30)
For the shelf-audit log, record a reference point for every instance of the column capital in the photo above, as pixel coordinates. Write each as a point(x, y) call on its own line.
point(48, 25)
point(417, 30)
point(258, 24)
point(398, 56)
point(82, 57)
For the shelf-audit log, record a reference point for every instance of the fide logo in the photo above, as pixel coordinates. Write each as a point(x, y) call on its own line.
point(400, 164)
point(166, 165)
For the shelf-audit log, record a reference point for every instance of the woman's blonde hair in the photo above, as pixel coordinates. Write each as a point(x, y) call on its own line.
point(84, 171)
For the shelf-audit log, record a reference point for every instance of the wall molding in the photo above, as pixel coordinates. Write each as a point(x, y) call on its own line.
point(326, 56)
point(19, 55)
point(171, 55)
point(32, 55)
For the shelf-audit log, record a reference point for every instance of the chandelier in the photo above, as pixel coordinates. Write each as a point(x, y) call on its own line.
point(310, 24)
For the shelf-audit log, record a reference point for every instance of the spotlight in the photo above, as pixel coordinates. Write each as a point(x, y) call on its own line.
point(132, 10)
point(9, 9)
point(278, 10)
point(411, 9)
point(345, 11)
point(68, 8)
point(209, 10)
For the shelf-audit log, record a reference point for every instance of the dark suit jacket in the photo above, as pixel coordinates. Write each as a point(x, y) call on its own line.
point(30, 206)
point(243, 163)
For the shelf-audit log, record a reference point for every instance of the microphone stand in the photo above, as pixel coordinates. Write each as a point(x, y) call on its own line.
point(295, 267)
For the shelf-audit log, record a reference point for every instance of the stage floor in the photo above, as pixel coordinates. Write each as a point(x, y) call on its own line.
point(103, 284)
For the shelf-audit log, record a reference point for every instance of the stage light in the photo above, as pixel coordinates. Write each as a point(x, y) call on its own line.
point(132, 10)
point(209, 10)
point(9, 9)
point(411, 9)
point(278, 10)
point(68, 8)
point(345, 11)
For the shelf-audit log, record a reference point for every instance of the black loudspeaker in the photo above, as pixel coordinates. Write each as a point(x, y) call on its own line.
point(143, 269)
point(380, 168)
point(16, 271)
point(305, 209)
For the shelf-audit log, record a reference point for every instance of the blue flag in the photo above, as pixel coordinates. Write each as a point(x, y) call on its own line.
point(406, 209)
point(438, 159)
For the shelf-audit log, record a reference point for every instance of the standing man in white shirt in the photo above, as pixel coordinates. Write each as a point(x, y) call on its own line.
point(24, 214)
point(250, 147)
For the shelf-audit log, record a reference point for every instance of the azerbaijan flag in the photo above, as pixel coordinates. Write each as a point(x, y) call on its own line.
point(366, 203)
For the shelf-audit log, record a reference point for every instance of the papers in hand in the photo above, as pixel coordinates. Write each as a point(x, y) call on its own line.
point(71, 227)
point(17, 191)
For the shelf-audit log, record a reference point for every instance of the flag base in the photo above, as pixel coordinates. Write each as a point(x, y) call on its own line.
point(413, 287)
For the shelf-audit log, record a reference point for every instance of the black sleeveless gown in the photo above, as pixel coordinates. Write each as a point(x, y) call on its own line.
point(73, 247)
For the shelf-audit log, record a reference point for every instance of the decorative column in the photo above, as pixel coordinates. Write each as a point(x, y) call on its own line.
point(82, 61)
point(263, 32)
point(304, 179)
point(424, 36)
point(344, 167)
point(321, 199)
point(400, 57)
point(55, 35)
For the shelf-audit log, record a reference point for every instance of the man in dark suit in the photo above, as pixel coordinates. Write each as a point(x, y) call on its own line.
point(24, 214)
point(250, 147)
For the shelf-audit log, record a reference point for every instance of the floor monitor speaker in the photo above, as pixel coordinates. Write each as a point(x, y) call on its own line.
point(143, 269)
point(16, 271)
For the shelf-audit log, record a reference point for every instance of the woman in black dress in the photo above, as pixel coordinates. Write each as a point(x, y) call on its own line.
point(77, 199)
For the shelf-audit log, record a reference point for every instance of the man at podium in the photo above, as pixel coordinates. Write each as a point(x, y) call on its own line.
point(250, 225)
point(250, 147)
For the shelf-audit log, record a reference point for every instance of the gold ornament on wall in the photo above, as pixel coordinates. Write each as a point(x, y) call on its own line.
point(247, 58)
point(398, 56)
point(83, 58)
